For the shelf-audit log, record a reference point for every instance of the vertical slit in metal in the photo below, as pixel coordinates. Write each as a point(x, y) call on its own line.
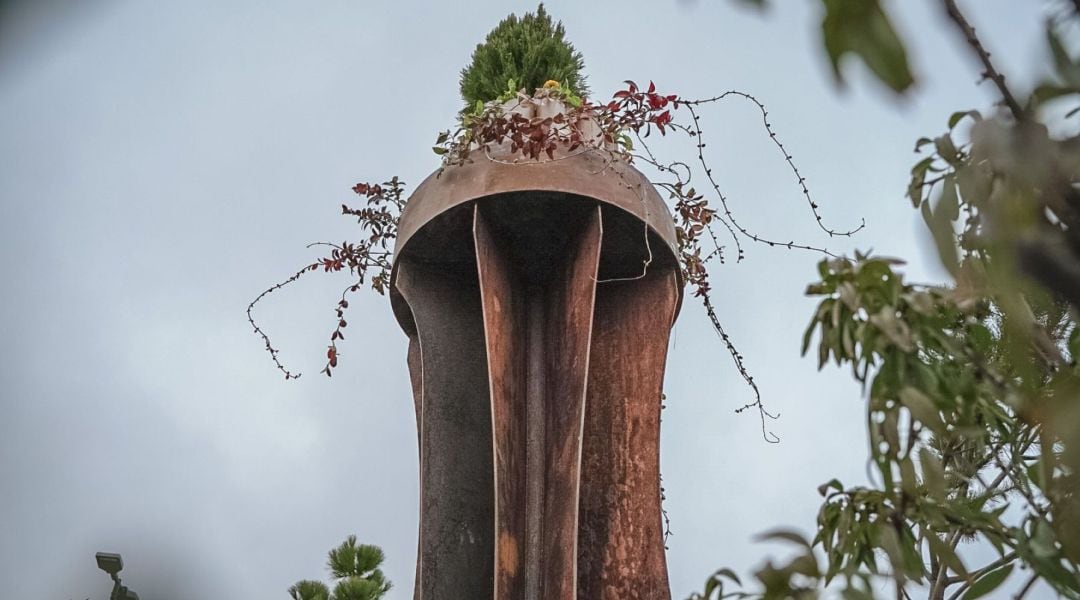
point(535, 447)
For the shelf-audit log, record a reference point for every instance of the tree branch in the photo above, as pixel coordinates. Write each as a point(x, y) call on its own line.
point(1027, 587)
point(967, 581)
point(990, 72)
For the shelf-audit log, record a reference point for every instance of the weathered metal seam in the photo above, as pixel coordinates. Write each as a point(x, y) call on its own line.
point(585, 395)
point(491, 406)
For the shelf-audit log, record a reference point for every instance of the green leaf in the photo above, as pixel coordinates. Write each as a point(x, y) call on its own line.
point(918, 176)
point(995, 539)
point(941, 228)
point(909, 482)
point(988, 583)
point(823, 269)
point(823, 347)
point(946, 149)
point(974, 181)
point(958, 116)
point(1048, 91)
point(727, 573)
point(862, 28)
point(894, 328)
point(1042, 541)
point(1034, 474)
point(439, 150)
point(922, 408)
point(786, 535)
point(1065, 65)
point(945, 554)
point(808, 336)
point(913, 564)
point(980, 338)
point(949, 202)
point(933, 473)
point(888, 541)
point(823, 489)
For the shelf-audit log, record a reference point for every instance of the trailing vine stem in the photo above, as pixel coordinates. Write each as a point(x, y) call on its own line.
point(787, 158)
point(727, 210)
point(369, 260)
point(258, 330)
point(663, 509)
point(675, 189)
point(645, 230)
point(737, 358)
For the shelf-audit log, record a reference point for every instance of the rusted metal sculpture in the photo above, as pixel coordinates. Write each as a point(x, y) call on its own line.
point(538, 300)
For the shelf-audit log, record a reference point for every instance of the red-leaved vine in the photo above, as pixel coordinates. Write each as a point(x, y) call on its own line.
point(367, 261)
point(618, 130)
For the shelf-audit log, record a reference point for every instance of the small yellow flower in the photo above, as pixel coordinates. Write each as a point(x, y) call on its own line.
point(551, 84)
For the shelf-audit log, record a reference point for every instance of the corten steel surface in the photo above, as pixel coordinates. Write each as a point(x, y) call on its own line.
point(537, 351)
point(456, 550)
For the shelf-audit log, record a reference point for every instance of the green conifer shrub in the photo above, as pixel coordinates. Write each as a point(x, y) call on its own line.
point(528, 51)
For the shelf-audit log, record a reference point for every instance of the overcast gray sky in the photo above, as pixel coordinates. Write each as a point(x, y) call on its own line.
point(163, 162)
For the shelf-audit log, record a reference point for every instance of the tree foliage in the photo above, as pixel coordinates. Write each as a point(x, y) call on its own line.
point(973, 388)
point(523, 52)
point(355, 569)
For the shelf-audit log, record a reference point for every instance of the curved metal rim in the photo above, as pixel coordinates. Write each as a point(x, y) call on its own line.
point(589, 173)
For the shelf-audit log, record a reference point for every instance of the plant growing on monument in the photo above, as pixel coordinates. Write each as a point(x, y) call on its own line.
point(617, 130)
point(527, 51)
point(355, 570)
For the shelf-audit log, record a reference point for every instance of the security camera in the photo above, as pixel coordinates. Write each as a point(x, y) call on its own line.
point(109, 562)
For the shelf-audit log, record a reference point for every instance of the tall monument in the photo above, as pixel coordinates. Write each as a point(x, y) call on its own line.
point(538, 299)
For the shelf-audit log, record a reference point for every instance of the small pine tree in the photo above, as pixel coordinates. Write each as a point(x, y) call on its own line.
point(529, 51)
point(355, 567)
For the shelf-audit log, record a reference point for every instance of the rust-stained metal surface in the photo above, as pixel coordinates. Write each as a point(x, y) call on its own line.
point(537, 351)
point(590, 173)
point(505, 328)
point(567, 328)
point(621, 540)
point(456, 550)
point(416, 373)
